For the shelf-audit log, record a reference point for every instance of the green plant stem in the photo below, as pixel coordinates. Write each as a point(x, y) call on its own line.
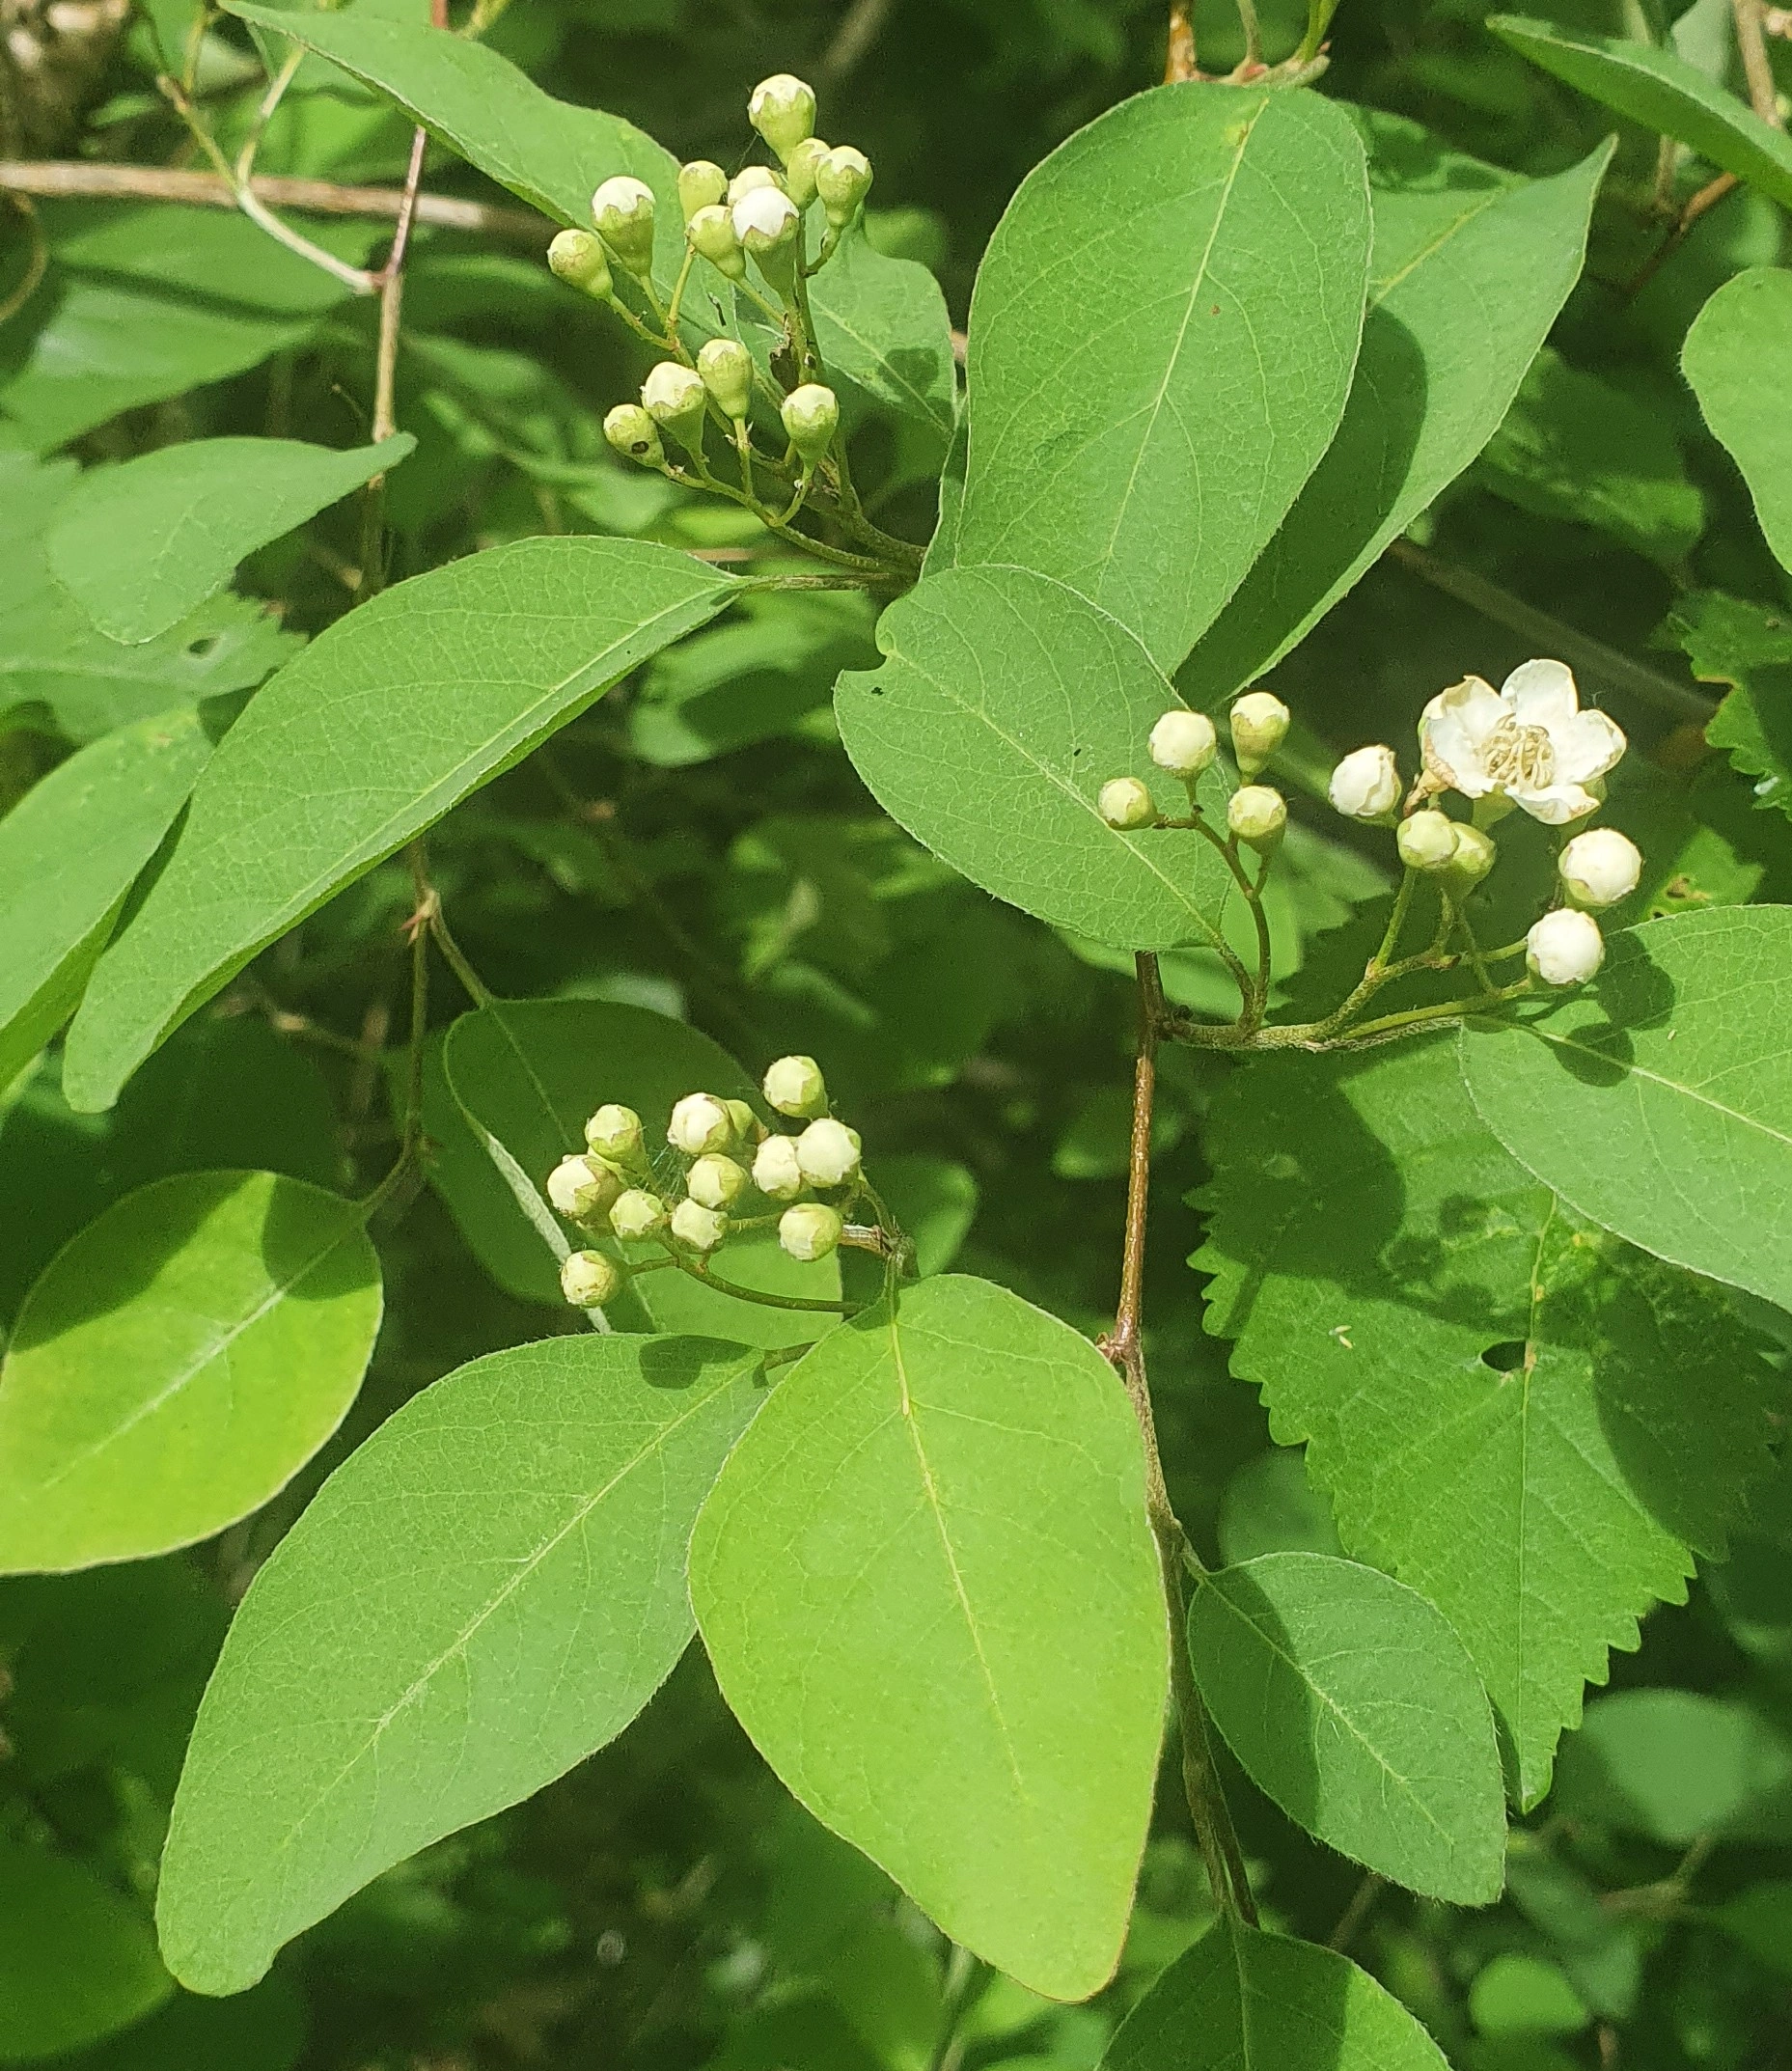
point(476, 987)
point(678, 291)
point(1253, 994)
point(801, 1304)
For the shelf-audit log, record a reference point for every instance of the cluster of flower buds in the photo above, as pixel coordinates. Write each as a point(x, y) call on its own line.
point(1525, 747)
point(1184, 745)
point(724, 1153)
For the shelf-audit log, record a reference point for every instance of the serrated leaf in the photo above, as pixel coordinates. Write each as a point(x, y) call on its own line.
point(1533, 1425)
point(1748, 646)
point(1454, 238)
point(386, 721)
point(1244, 2000)
point(142, 545)
point(1004, 704)
point(405, 1664)
point(1146, 457)
point(76, 1961)
point(1738, 357)
point(927, 1586)
point(178, 1363)
point(1349, 1700)
point(1657, 1100)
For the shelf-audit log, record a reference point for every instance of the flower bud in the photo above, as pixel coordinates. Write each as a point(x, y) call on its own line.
point(581, 1189)
point(725, 368)
point(1600, 867)
point(677, 400)
point(811, 417)
point(711, 235)
point(589, 1279)
point(578, 259)
point(1259, 725)
point(1367, 784)
point(700, 1123)
point(637, 1215)
point(1475, 855)
point(843, 180)
point(634, 435)
point(827, 1153)
point(783, 110)
point(810, 1231)
point(716, 1181)
point(752, 179)
point(1257, 817)
point(767, 222)
point(1427, 841)
point(702, 184)
point(1184, 743)
point(1565, 947)
point(799, 171)
point(794, 1087)
point(776, 1170)
point(702, 1229)
point(622, 209)
point(748, 1127)
point(1126, 803)
point(614, 1133)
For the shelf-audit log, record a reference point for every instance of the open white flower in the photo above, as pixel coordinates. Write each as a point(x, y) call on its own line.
point(1528, 742)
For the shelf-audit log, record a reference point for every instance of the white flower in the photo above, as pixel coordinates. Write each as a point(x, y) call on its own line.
point(638, 1215)
point(1427, 841)
point(581, 1188)
point(1259, 725)
point(613, 1132)
point(749, 180)
point(776, 1170)
point(827, 1153)
point(810, 1232)
point(715, 1182)
point(1184, 743)
point(702, 1229)
point(794, 1085)
point(1257, 815)
point(623, 197)
point(1565, 947)
point(673, 392)
point(1367, 784)
point(700, 1123)
point(589, 1280)
point(1528, 743)
point(764, 219)
point(1600, 868)
point(1127, 804)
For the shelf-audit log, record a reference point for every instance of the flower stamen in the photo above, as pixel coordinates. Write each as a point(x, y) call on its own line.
point(1521, 757)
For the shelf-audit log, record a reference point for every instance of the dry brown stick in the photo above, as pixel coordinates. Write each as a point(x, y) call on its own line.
point(1707, 197)
point(1180, 58)
point(1757, 68)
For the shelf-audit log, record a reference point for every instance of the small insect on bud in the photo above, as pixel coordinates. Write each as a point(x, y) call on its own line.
point(725, 368)
point(1475, 855)
point(614, 1133)
point(1126, 803)
point(589, 1279)
point(776, 1170)
point(711, 235)
point(622, 209)
point(1600, 867)
point(578, 259)
point(677, 402)
point(843, 180)
point(827, 1153)
point(1257, 817)
point(634, 435)
point(794, 1087)
point(702, 1229)
point(1428, 841)
point(581, 1189)
point(1565, 947)
point(702, 184)
point(810, 1231)
point(783, 110)
point(799, 170)
point(700, 1123)
point(716, 1181)
point(1184, 743)
point(767, 222)
point(811, 417)
point(637, 1215)
point(1259, 725)
point(1367, 784)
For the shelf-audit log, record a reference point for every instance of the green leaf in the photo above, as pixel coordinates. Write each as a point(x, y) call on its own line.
point(76, 1962)
point(883, 330)
point(1532, 1426)
point(1749, 647)
point(1738, 357)
point(1673, 1766)
point(1004, 704)
point(1146, 457)
point(1518, 1995)
point(527, 1073)
point(387, 720)
point(178, 1363)
point(1243, 2000)
point(1270, 1505)
point(929, 1588)
point(1662, 92)
point(69, 853)
point(1454, 239)
point(259, 2031)
point(1351, 1704)
point(1658, 1101)
point(405, 1665)
point(142, 545)
point(1760, 1919)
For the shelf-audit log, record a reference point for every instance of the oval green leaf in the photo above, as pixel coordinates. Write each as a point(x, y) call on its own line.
point(178, 1363)
point(1738, 357)
point(1348, 1699)
point(481, 1596)
point(929, 1588)
point(76, 1962)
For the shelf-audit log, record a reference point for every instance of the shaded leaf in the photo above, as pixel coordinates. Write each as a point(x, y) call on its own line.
point(76, 1961)
point(1673, 1765)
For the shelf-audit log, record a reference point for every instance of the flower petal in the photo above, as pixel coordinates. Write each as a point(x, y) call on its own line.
point(1588, 745)
point(1556, 805)
point(1452, 729)
point(1541, 694)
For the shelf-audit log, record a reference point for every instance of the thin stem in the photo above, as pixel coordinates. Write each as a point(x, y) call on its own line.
point(1234, 963)
point(1179, 56)
point(802, 1304)
point(1362, 1904)
point(677, 291)
point(36, 267)
point(385, 381)
point(1757, 68)
point(1253, 33)
point(264, 114)
point(1707, 197)
point(416, 932)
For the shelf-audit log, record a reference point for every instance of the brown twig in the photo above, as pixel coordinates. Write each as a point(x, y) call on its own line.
point(1180, 58)
point(1707, 197)
point(1757, 68)
point(864, 24)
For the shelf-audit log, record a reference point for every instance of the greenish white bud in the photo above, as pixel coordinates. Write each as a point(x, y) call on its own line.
point(1475, 855)
point(702, 184)
point(827, 1153)
point(581, 1189)
point(622, 209)
point(711, 235)
point(799, 171)
point(677, 402)
point(700, 1123)
point(748, 1127)
point(776, 1171)
point(1565, 947)
point(794, 1087)
point(1367, 784)
point(811, 417)
point(702, 1229)
point(810, 1231)
point(1126, 803)
point(752, 179)
point(1427, 841)
point(614, 1133)
point(1600, 867)
point(578, 259)
point(767, 221)
point(1259, 724)
point(716, 1181)
point(634, 435)
point(783, 110)
point(725, 368)
point(589, 1279)
point(1257, 817)
point(1184, 743)
point(637, 1215)
point(843, 180)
